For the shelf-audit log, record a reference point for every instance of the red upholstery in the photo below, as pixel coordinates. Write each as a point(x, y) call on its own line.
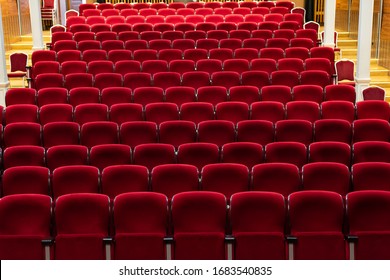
point(105, 155)
point(217, 132)
point(170, 179)
point(153, 154)
point(253, 239)
point(329, 151)
point(245, 153)
point(316, 219)
point(81, 223)
point(99, 132)
point(177, 132)
point(133, 133)
point(277, 93)
point(118, 179)
point(65, 155)
point(75, 179)
point(371, 151)
point(370, 176)
point(25, 222)
point(226, 178)
point(23, 156)
point(371, 130)
point(288, 152)
point(25, 179)
point(140, 221)
point(198, 154)
point(327, 176)
point(367, 213)
point(60, 133)
point(294, 131)
point(256, 131)
point(283, 178)
point(199, 220)
point(22, 133)
point(332, 130)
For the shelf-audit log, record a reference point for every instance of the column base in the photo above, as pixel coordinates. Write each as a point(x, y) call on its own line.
point(361, 84)
point(3, 89)
point(330, 45)
point(38, 48)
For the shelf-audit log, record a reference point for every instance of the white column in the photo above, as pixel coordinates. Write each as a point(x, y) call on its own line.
point(4, 83)
point(61, 6)
point(329, 27)
point(366, 10)
point(36, 24)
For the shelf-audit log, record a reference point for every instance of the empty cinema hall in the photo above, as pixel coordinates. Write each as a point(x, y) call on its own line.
point(173, 139)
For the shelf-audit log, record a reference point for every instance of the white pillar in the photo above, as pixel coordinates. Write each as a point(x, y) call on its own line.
point(61, 7)
point(366, 10)
point(36, 24)
point(329, 27)
point(4, 83)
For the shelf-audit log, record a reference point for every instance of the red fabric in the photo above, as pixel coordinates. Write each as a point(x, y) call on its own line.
point(120, 179)
point(283, 178)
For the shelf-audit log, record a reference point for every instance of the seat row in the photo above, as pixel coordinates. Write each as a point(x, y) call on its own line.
point(177, 67)
point(95, 172)
point(190, 5)
point(198, 154)
point(192, 26)
point(200, 226)
point(138, 50)
point(294, 20)
point(177, 132)
point(195, 79)
point(184, 44)
point(300, 38)
point(196, 112)
point(184, 11)
point(179, 95)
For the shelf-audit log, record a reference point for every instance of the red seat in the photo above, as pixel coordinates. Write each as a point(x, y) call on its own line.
point(126, 112)
point(315, 240)
point(367, 215)
point(253, 240)
point(277, 177)
point(153, 154)
point(25, 180)
point(84, 113)
point(140, 221)
point(199, 220)
point(326, 176)
point(267, 110)
point(256, 131)
point(134, 133)
point(105, 155)
point(60, 133)
point(329, 151)
point(82, 220)
point(288, 152)
point(26, 220)
point(66, 155)
point(294, 131)
point(170, 179)
point(118, 179)
point(246, 153)
point(99, 132)
point(218, 132)
point(177, 132)
point(198, 154)
point(332, 130)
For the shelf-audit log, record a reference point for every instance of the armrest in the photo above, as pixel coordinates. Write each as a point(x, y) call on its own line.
point(352, 238)
point(47, 244)
point(291, 239)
